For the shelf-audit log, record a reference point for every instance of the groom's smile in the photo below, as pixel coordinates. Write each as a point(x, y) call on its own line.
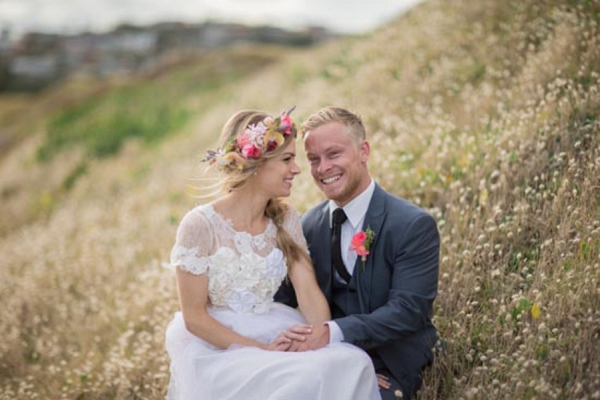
point(327, 181)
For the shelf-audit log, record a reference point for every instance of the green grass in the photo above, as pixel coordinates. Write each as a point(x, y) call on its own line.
point(148, 109)
point(103, 125)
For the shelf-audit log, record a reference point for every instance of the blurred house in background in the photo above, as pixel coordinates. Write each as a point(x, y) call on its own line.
point(40, 59)
point(35, 61)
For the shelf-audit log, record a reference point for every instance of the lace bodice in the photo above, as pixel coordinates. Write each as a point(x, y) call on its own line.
point(244, 271)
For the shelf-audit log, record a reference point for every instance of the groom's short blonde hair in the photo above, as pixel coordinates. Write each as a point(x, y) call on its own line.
point(336, 114)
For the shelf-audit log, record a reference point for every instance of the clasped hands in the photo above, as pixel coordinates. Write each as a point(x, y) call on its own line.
point(301, 337)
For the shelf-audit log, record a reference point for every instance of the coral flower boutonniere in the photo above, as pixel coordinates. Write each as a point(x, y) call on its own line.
point(361, 242)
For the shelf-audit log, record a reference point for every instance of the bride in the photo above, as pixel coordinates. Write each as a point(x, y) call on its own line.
point(230, 340)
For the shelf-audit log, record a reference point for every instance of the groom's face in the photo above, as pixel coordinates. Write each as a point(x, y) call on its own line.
point(338, 162)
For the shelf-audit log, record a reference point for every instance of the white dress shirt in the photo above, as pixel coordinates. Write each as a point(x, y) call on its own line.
point(356, 210)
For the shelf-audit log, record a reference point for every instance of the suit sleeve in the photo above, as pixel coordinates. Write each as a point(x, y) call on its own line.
point(413, 289)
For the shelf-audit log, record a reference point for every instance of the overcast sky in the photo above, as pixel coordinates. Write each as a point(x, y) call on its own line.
point(71, 16)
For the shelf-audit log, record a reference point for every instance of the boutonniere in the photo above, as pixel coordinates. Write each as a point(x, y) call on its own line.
point(361, 242)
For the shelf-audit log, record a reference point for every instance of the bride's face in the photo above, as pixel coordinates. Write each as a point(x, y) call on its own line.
point(275, 176)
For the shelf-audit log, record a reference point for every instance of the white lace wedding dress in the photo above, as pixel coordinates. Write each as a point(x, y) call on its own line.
point(244, 272)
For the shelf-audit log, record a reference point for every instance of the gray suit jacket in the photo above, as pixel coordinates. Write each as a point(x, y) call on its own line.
point(395, 290)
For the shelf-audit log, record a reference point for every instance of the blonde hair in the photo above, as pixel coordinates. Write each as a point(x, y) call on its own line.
point(326, 115)
point(234, 178)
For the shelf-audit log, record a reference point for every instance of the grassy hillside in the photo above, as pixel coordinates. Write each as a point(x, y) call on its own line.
point(483, 112)
point(63, 131)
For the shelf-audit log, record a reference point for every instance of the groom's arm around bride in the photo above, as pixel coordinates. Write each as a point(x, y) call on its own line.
point(381, 301)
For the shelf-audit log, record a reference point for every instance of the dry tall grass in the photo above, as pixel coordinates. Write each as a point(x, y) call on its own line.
point(484, 112)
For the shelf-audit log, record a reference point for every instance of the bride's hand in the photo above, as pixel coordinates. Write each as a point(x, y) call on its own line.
point(383, 382)
point(298, 332)
point(281, 343)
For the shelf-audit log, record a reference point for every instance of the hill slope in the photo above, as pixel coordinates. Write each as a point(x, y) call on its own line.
point(483, 112)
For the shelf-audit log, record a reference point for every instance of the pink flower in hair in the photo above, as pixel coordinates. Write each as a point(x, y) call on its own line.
point(272, 145)
point(250, 151)
point(286, 124)
point(243, 141)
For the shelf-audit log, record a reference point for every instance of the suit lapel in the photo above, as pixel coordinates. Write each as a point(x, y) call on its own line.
point(373, 220)
point(322, 249)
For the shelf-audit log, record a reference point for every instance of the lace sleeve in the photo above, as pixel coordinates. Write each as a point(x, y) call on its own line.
point(293, 227)
point(194, 244)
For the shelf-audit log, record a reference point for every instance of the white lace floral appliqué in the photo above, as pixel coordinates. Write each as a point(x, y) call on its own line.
point(244, 271)
point(239, 277)
point(245, 283)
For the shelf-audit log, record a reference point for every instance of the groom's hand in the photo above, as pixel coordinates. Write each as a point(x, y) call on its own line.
point(317, 339)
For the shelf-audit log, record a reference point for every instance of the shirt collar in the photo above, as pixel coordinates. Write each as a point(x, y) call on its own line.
point(357, 207)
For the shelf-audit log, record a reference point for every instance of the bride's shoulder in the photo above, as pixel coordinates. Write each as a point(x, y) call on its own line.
point(291, 212)
point(197, 217)
point(291, 218)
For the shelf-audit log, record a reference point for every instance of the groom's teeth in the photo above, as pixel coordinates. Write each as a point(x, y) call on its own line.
point(331, 180)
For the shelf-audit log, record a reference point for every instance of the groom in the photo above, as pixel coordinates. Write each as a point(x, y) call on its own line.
point(383, 301)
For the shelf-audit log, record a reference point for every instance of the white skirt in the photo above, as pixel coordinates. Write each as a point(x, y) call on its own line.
point(200, 371)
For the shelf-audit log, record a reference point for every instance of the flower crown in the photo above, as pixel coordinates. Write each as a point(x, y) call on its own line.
point(257, 139)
